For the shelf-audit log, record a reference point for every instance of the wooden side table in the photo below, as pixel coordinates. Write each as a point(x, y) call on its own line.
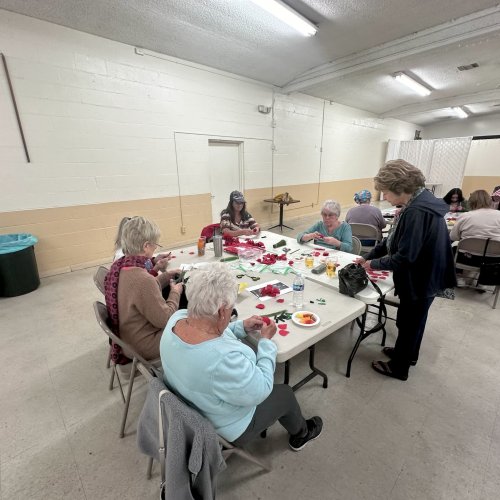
point(281, 204)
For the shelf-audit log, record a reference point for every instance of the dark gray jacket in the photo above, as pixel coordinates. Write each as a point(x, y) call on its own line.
point(193, 456)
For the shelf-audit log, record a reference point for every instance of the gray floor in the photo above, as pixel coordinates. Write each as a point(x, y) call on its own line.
point(436, 436)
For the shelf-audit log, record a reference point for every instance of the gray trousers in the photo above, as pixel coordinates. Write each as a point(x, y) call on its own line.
point(280, 405)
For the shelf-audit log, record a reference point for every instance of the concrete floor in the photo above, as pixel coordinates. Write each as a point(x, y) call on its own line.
point(436, 436)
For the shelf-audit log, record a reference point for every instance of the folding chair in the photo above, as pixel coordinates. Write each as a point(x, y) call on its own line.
point(471, 246)
point(138, 362)
point(366, 232)
point(491, 277)
point(99, 277)
point(356, 246)
point(209, 231)
point(227, 448)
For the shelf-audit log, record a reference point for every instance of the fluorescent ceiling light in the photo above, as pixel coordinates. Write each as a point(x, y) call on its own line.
point(412, 84)
point(460, 112)
point(280, 10)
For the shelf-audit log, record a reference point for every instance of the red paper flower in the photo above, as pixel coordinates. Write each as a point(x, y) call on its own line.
point(282, 326)
point(325, 254)
point(260, 306)
point(280, 300)
point(283, 333)
point(266, 320)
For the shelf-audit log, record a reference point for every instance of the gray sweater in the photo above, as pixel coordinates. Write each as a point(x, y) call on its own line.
point(193, 456)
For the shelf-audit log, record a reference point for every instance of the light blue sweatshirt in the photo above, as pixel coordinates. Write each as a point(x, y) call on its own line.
point(223, 378)
point(343, 233)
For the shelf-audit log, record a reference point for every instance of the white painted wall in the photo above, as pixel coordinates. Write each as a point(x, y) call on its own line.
point(478, 125)
point(105, 124)
point(484, 158)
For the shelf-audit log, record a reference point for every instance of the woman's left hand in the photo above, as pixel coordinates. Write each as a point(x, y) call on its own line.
point(330, 240)
point(252, 323)
point(367, 264)
point(161, 263)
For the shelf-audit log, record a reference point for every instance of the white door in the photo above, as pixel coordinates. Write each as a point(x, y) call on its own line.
point(224, 165)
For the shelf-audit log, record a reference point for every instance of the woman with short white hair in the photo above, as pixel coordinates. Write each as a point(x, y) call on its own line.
point(205, 363)
point(137, 310)
point(330, 232)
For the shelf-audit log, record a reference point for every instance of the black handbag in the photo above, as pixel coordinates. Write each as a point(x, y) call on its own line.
point(352, 279)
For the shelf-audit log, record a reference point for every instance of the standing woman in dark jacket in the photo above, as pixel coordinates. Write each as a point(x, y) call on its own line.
point(418, 251)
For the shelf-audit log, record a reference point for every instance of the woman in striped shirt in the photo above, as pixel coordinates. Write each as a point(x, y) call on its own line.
point(235, 220)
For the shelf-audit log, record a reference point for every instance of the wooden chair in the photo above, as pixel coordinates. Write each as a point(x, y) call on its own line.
point(138, 362)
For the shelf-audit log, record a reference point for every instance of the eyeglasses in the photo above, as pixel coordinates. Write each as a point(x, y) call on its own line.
point(156, 245)
point(324, 214)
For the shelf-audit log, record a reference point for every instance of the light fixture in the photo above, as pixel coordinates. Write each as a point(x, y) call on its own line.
point(280, 10)
point(460, 112)
point(411, 83)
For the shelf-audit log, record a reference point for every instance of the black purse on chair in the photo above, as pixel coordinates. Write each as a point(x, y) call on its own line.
point(352, 279)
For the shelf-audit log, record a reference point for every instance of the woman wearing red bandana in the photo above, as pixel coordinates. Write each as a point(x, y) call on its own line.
point(137, 310)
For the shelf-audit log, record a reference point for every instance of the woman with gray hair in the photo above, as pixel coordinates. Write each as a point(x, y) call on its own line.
point(137, 310)
point(418, 252)
point(330, 232)
point(205, 363)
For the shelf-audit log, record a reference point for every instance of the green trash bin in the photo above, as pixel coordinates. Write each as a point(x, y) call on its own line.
point(18, 269)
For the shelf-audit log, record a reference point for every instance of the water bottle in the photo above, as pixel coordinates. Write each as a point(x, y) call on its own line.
point(298, 291)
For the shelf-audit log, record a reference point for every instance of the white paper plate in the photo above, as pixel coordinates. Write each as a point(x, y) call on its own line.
point(296, 318)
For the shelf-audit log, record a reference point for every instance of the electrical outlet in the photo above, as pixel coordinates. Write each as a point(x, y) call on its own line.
point(183, 229)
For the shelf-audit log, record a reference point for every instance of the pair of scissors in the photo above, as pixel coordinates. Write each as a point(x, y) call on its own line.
point(253, 278)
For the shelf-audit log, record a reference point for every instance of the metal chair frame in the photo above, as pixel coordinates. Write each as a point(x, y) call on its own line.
point(138, 362)
point(99, 277)
point(479, 247)
point(228, 448)
point(356, 246)
point(368, 232)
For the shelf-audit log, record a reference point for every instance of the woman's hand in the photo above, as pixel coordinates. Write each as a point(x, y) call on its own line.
point(311, 236)
point(176, 287)
point(246, 232)
point(330, 240)
point(252, 323)
point(359, 260)
point(161, 262)
point(269, 330)
point(174, 272)
point(367, 264)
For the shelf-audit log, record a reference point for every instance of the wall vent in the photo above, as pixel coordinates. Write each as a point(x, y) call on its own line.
point(467, 67)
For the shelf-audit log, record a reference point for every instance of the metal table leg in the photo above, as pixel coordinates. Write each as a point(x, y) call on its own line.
point(314, 372)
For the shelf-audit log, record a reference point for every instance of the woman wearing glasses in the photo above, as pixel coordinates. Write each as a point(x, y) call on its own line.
point(136, 307)
point(331, 231)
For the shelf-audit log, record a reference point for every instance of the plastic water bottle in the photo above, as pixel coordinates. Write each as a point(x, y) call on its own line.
point(298, 291)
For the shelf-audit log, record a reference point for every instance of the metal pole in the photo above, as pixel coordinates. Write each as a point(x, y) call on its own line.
point(15, 108)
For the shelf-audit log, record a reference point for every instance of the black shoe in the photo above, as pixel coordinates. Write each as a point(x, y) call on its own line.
point(314, 428)
point(389, 352)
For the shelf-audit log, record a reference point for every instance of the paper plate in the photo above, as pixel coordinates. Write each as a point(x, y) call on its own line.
point(297, 318)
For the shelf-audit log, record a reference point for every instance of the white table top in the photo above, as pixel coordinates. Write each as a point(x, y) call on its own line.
point(338, 311)
point(369, 295)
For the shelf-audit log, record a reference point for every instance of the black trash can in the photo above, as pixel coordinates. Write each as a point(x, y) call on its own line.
point(18, 269)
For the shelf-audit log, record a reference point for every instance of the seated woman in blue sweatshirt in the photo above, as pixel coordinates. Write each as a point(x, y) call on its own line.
point(329, 232)
point(206, 364)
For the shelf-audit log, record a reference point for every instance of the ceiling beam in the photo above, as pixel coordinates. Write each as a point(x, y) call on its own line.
point(458, 30)
point(444, 102)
